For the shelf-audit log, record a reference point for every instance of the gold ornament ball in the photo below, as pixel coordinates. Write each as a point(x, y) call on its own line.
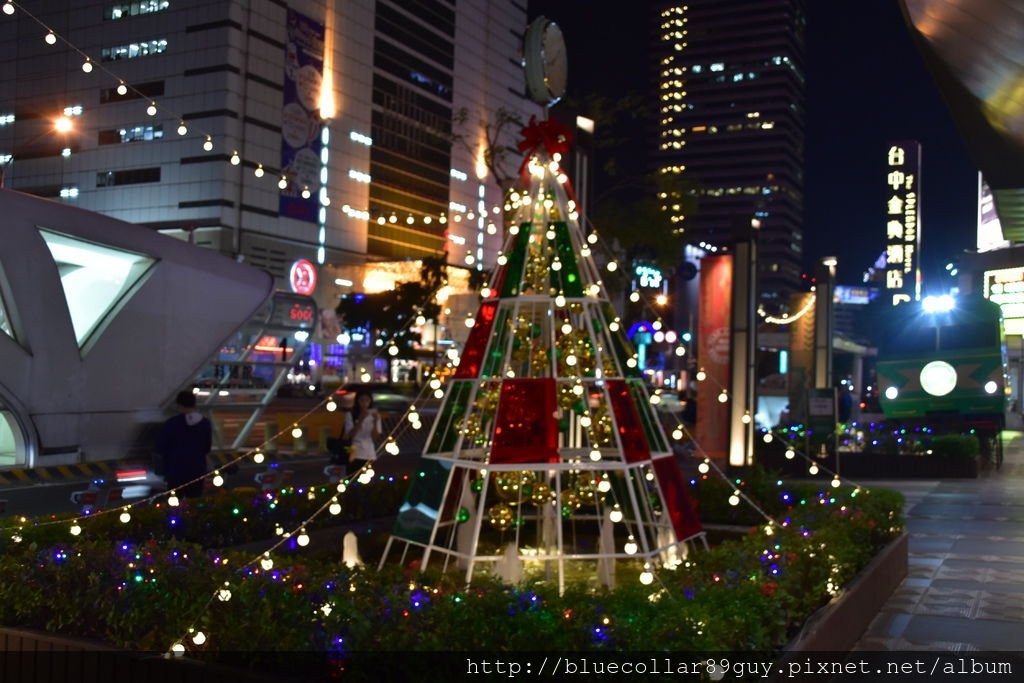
point(500, 516)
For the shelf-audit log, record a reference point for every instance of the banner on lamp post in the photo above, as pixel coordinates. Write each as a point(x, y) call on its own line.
point(713, 347)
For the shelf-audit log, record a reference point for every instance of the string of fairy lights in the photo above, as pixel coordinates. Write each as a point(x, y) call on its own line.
point(156, 109)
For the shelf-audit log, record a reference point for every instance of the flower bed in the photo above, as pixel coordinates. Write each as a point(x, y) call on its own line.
point(146, 591)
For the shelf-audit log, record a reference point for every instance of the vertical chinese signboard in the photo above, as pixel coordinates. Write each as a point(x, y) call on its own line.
point(713, 351)
point(903, 221)
point(300, 117)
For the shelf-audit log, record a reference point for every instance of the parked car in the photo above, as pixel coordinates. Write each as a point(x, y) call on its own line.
point(386, 397)
point(669, 402)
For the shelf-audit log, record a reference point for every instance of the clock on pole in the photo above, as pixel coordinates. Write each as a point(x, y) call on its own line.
point(545, 61)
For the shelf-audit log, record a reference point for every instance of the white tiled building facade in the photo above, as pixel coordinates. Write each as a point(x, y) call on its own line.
point(400, 71)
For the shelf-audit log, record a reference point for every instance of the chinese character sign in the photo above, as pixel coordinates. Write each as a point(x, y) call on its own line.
point(903, 220)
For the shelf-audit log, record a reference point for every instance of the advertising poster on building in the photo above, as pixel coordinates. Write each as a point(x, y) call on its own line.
point(300, 117)
point(713, 347)
point(801, 356)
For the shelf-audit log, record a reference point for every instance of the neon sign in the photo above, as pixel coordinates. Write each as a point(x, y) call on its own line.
point(649, 277)
point(903, 221)
point(302, 277)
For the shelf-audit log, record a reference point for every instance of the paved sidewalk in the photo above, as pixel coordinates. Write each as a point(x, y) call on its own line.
point(964, 589)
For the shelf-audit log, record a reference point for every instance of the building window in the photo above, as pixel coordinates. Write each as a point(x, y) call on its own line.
point(134, 134)
point(120, 10)
point(134, 176)
point(132, 50)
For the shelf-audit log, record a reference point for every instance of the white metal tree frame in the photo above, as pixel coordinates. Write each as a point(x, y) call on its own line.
point(546, 448)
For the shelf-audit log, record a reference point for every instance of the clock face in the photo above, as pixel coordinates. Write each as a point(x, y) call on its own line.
point(545, 61)
point(555, 66)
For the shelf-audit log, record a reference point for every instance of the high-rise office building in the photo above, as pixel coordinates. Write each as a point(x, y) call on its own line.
point(731, 123)
point(274, 131)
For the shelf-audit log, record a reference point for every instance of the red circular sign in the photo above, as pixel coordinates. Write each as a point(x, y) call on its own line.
point(302, 277)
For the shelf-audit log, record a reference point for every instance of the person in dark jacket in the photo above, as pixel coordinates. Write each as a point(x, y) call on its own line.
point(183, 444)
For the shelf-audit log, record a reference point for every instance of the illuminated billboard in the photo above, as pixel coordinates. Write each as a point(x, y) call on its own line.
point(990, 230)
point(903, 221)
point(1006, 288)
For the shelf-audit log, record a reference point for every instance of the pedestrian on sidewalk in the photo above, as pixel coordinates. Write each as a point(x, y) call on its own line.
point(183, 444)
point(362, 426)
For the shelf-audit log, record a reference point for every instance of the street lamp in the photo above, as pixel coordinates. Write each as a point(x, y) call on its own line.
point(62, 125)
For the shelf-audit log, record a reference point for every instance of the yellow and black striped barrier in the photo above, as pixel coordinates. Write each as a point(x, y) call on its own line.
point(74, 472)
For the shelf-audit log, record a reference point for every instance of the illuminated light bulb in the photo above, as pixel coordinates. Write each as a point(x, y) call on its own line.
point(613, 326)
point(278, 531)
point(365, 377)
point(723, 397)
point(570, 360)
point(392, 350)
point(335, 508)
point(296, 432)
point(790, 454)
point(595, 455)
point(199, 638)
point(634, 297)
point(604, 486)
point(235, 159)
point(612, 266)
point(172, 500)
point(486, 292)
point(75, 529)
point(283, 182)
point(440, 392)
point(677, 434)
point(125, 517)
point(835, 482)
point(768, 437)
point(306, 193)
point(745, 419)
point(592, 238)
point(416, 424)
point(8, 8)
point(656, 325)
point(616, 514)
point(303, 538)
point(578, 389)
point(734, 499)
point(813, 469)
point(267, 563)
point(177, 649)
point(585, 421)
point(208, 144)
point(701, 375)
point(435, 383)
point(257, 457)
point(649, 476)
point(391, 447)
point(550, 234)
point(223, 595)
point(366, 477)
point(259, 171)
point(122, 89)
point(655, 399)
point(218, 480)
point(86, 65)
point(631, 362)
point(331, 406)
point(50, 38)
point(560, 301)
point(585, 252)
point(646, 576)
point(630, 547)
point(420, 320)
point(183, 129)
point(151, 109)
point(768, 529)
point(566, 328)
point(470, 322)
point(502, 260)
point(703, 468)
point(680, 351)
point(556, 265)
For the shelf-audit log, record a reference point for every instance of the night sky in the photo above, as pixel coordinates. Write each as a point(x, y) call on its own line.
point(866, 85)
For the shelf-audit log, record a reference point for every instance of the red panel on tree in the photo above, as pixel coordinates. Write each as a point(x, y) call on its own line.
point(634, 444)
point(451, 502)
point(476, 345)
point(682, 509)
point(527, 427)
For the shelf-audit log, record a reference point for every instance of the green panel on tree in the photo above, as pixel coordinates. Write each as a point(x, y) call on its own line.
point(496, 349)
point(448, 423)
point(516, 260)
point(566, 280)
point(419, 512)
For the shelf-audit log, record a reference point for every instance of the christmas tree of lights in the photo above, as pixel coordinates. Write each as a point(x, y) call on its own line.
point(546, 453)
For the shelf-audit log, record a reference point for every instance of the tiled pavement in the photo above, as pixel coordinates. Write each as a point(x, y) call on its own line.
point(964, 589)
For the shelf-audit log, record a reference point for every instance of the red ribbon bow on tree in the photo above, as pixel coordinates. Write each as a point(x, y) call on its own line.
point(550, 134)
